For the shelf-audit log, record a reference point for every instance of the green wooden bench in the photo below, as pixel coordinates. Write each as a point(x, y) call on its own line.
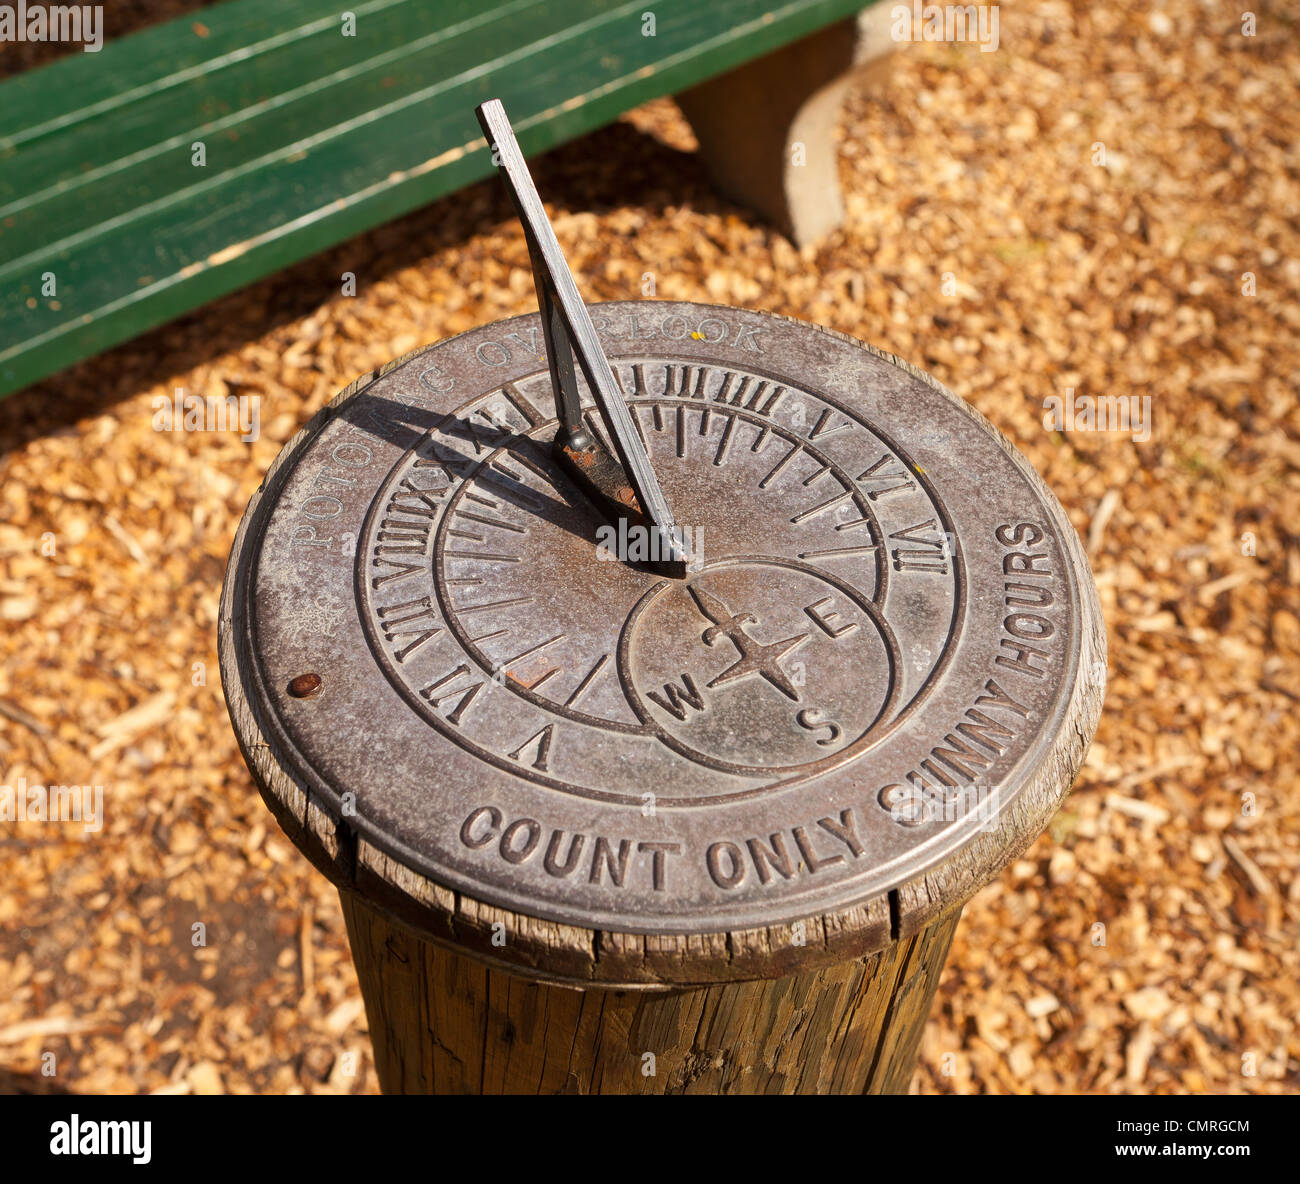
point(185, 161)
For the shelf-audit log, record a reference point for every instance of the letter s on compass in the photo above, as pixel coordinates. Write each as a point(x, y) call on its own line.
point(810, 718)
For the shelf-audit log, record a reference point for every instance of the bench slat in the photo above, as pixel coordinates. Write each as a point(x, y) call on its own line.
point(314, 142)
point(282, 83)
point(148, 158)
point(171, 54)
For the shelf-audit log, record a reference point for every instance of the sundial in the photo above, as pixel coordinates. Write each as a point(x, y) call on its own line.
point(657, 618)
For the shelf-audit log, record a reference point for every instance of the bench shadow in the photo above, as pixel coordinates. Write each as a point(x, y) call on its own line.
point(614, 167)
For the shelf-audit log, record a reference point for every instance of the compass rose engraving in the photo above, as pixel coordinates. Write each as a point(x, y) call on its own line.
point(755, 657)
point(697, 699)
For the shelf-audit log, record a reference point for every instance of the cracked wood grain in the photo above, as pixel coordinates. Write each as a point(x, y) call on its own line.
point(443, 1022)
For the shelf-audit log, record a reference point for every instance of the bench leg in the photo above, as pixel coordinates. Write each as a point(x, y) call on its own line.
point(767, 129)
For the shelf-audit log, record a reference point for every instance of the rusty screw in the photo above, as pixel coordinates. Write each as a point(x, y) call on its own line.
point(305, 686)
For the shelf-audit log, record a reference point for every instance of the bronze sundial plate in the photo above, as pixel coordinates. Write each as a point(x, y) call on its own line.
point(877, 646)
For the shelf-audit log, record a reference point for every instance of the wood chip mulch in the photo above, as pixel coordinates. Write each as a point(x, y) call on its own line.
point(1182, 836)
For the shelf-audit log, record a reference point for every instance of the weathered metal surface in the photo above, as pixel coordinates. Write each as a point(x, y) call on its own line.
point(875, 645)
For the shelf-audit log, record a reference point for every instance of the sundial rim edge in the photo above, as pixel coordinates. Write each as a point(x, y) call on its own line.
point(600, 953)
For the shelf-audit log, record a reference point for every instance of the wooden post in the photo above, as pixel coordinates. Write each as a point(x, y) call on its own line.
point(441, 1022)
